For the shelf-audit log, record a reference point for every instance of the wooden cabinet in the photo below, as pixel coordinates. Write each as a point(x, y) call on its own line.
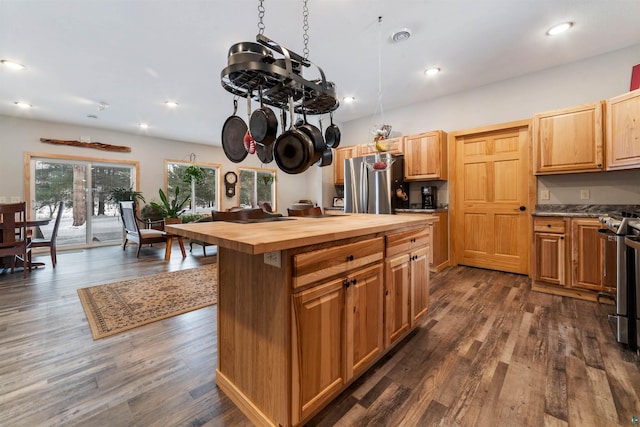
point(549, 254)
point(440, 252)
point(587, 257)
point(340, 154)
point(623, 131)
point(569, 140)
point(425, 156)
point(406, 282)
point(569, 254)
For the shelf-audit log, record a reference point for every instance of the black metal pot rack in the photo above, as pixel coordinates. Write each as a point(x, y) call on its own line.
point(278, 83)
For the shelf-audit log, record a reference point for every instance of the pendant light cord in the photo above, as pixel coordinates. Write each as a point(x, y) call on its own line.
point(380, 69)
point(260, 17)
point(305, 28)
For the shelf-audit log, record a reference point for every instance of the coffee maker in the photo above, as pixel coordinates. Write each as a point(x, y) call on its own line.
point(429, 197)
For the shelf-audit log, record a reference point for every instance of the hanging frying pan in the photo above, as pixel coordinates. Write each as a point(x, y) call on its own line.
point(263, 124)
point(293, 149)
point(265, 153)
point(233, 132)
point(315, 136)
point(332, 134)
point(327, 158)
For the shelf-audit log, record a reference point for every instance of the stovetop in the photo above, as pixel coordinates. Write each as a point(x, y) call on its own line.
point(621, 222)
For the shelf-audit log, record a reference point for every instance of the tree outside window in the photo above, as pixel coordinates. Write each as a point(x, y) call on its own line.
point(257, 186)
point(205, 193)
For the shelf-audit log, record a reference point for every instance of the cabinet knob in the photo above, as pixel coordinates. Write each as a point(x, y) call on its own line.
point(562, 238)
point(549, 225)
point(600, 165)
point(349, 257)
point(354, 281)
point(345, 283)
point(522, 208)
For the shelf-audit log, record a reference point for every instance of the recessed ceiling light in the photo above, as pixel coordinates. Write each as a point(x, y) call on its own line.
point(432, 71)
point(171, 104)
point(401, 35)
point(102, 106)
point(143, 125)
point(349, 99)
point(22, 104)
point(560, 28)
point(12, 64)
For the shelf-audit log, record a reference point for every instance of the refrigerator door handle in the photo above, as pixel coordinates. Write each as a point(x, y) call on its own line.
point(364, 188)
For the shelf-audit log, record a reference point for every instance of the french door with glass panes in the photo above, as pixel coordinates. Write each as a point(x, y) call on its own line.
point(90, 216)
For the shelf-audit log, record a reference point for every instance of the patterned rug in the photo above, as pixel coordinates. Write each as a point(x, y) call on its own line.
point(120, 306)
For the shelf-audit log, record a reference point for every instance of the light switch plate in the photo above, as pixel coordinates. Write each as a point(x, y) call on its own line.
point(544, 195)
point(584, 194)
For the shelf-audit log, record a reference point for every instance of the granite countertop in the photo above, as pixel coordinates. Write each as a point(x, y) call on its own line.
point(582, 211)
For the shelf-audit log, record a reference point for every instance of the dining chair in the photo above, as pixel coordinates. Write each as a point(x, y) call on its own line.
point(14, 241)
point(237, 215)
point(51, 242)
point(133, 233)
point(314, 211)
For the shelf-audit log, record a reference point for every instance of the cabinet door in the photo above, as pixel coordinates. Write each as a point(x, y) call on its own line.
point(623, 131)
point(389, 145)
point(569, 140)
point(550, 258)
point(419, 283)
point(425, 156)
point(318, 363)
point(440, 247)
point(586, 254)
point(340, 154)
point(397, 308)
point(363, 319)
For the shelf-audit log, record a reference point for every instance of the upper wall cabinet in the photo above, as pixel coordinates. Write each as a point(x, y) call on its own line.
point(569, 140)
point(425, 156)
point(623, 131)
point(339, 156)
point(390, 145)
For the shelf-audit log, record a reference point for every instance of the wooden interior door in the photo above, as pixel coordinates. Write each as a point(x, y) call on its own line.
point(492, 202)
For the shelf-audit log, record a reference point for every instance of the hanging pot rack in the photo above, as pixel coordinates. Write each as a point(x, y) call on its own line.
point(279, 79)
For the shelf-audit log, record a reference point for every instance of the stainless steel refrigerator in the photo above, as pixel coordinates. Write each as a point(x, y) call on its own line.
point(367, 190)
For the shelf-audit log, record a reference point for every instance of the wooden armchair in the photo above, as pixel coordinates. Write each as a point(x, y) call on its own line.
point(14, 240)
point(133, 233)
point(314, 211)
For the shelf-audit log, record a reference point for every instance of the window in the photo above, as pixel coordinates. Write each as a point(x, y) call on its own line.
point(205, 194)
point(257, 186)
point(90, 216)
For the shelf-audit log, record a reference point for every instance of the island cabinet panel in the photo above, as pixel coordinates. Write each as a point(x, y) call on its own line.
point(425, 156)
point(587, 255)
point(406, 281)
point(397, 298)
point(623, 131)
point(310, 267)
point(337, 336)
point(569, 140)
point(318, 347)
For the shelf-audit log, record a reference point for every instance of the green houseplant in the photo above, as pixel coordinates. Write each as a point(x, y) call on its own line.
point(193, 173)
point(174, 207)
point(121, 194)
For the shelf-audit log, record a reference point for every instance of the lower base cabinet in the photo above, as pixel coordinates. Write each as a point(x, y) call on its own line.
point(576, 243)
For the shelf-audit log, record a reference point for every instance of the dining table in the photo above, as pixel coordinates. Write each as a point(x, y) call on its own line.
point(29, 223)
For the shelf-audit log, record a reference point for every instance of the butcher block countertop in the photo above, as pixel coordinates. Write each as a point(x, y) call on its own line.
point(275, 234)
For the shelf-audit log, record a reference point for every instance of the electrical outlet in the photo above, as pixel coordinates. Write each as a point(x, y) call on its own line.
point(16, 199)
point(273, 258)
point(584, 194)
point(544, 195)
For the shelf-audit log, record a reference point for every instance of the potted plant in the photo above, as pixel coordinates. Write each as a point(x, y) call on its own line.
point(193, 173)
point(174, 208)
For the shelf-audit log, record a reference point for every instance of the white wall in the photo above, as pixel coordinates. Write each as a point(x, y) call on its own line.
point(18, 136)
point(578, 83)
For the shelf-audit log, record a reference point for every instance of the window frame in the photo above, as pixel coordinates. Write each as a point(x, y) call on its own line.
point(218, 171)
point(274, 185)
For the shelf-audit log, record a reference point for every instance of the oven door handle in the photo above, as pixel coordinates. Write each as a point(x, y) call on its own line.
point(609, 235)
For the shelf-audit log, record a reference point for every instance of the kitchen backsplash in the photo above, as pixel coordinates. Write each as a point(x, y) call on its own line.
point(600, 188)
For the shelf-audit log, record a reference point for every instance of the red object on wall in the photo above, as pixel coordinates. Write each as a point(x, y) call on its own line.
point(635, 77)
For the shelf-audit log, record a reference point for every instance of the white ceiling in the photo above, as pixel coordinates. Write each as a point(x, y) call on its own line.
point(136, 54)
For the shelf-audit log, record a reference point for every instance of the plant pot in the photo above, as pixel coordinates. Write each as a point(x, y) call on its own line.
point(173, 220)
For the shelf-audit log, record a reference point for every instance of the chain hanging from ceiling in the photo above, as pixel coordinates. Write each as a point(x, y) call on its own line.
point(305, 29)
point(261, 17)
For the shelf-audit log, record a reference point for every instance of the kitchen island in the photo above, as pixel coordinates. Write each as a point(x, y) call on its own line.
point(306, 305)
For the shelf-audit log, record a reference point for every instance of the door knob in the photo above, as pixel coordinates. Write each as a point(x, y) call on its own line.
point(522, 208)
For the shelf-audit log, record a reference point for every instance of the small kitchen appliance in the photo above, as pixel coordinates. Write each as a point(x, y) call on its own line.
point(429, 197)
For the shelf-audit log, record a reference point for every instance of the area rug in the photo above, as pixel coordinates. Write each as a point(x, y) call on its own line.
point(116, 307)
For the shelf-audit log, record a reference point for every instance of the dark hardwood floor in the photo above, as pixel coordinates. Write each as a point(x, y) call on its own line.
point(489, 353)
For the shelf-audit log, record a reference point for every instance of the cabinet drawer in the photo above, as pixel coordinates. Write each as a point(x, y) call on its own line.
point(549, 225)
point(408, 241)
point(317, 265)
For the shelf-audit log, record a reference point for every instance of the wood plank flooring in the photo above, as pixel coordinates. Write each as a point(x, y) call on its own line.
point(489, 353)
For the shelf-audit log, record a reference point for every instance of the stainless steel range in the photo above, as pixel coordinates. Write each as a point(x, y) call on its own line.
point(617, 228)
